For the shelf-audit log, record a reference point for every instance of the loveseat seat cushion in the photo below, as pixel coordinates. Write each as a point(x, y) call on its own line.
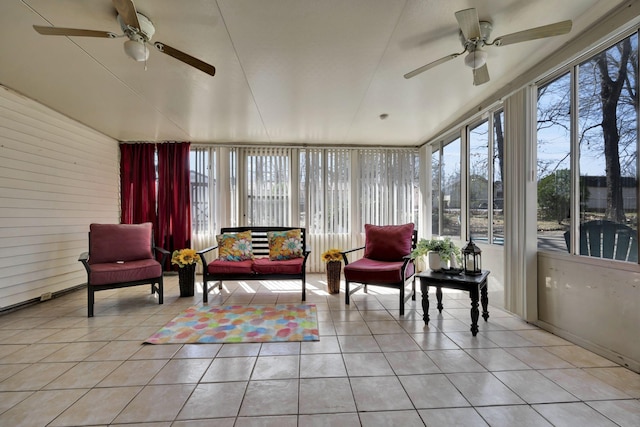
point(286, 266)
point(129, 271)
point(367, 270)
point(219, 266)
point(119, 242)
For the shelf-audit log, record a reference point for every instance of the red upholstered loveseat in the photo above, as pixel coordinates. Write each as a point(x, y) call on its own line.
point(258, 268)
point(122, 255)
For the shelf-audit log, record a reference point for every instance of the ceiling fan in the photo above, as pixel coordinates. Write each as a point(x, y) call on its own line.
point(474, 35)
point(138, 29)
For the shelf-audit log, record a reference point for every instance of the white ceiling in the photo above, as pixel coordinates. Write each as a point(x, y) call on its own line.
point(287, 71)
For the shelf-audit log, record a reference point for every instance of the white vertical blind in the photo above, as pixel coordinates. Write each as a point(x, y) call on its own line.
point(204, 194)
point(233, 179)
point(268, 182)
point(329, 190)
point(328, 213)
point(520, 193)
point(425, 194)
point(337, 190)
point(388, 184)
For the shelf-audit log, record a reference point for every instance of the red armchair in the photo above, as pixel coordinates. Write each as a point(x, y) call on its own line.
point(386, 262)
point(122, 255)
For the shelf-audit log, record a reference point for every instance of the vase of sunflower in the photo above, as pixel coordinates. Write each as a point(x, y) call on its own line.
point(333, 260)
point(186, 260)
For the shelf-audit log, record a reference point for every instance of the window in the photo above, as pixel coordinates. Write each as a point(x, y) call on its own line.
point(553, 165)
point(591, 174)
point(436, 181)
point(479, 182)
point(201, 162)
point(497, 195)
point(608, 134)
point(450, 190)
point(483, 177)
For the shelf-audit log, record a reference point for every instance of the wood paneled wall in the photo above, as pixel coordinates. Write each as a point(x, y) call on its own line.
point(56, 177)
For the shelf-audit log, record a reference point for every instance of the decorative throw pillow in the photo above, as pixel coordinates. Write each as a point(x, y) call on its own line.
point(387, 242)
point(285, 244)
point(235, 246)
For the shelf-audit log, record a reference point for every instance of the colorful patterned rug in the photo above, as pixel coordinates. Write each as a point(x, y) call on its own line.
point(240, 323)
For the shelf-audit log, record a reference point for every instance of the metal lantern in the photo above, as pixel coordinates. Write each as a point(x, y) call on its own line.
point(471, 259)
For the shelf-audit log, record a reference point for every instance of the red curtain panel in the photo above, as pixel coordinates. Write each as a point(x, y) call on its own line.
point(174, 196)
point(137, 183)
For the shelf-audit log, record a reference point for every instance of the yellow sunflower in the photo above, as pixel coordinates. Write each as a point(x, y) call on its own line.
point(332, 255)
point(184, 257)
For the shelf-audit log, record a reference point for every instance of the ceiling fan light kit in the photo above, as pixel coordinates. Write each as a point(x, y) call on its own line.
point(139, 30)
point(476, 58)
point(136, 50)
point(474, 34)
point(136, 46)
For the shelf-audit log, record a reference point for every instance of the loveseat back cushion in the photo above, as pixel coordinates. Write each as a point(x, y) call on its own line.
point(285, 245)
point(119, 242)
point(366, 270)
point(287, 266)
point(387, 242)
point(128, 271)
point(235, 246)
point(219, 266)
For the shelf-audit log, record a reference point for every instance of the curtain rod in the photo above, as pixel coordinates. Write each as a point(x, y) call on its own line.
point(345, 147)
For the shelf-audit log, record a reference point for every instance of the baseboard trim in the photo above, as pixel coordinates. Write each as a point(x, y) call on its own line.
point(33, 301)
point(620, 359)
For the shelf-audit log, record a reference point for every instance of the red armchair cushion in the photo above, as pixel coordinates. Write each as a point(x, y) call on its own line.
point(286, 266)
point(372, 271)
point(387, 242)
point(129, 271)
point(219, 266)
point(119, 242)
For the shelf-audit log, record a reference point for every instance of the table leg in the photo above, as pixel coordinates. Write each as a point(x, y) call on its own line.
point(439, 298)
point(424, 288)
point(474, 311)
point(484, 299)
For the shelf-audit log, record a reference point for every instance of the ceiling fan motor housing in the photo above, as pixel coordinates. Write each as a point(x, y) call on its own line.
point(485, 32)
point(142, 34)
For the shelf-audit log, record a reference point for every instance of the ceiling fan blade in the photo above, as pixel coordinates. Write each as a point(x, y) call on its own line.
point(550, 30)
point(59, 31)
point(469, 23)
point(480, 75)
point(127, 11)
point(430, 65)
point(186, 58)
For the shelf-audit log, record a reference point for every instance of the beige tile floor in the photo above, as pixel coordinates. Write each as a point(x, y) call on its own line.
point(370, 367)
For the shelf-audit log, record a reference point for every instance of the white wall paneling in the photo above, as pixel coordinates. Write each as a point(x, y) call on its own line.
point(56, 177)
point(594, 303)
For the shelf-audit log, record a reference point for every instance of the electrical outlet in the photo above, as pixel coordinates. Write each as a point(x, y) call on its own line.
point(46, 296)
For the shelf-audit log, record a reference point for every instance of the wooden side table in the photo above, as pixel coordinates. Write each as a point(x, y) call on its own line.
point(475, 285)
